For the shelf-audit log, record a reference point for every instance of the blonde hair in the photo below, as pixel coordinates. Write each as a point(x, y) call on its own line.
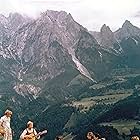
point(8, 111)
point(28, 123)
point(135, 138)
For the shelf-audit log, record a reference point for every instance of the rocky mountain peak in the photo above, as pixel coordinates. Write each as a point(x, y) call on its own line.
point(107, 36)
point(62, 26)
point(127, 24)
point(55, 15)
point(105, 28)
point(106, 32)
point(127, 30)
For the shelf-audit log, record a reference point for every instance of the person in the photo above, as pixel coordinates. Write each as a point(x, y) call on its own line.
point(135, 138)
point(91, 136)
point(94, 136)
point(29, 133)
point(58, 138)
point(5, 124)
point(98, 137)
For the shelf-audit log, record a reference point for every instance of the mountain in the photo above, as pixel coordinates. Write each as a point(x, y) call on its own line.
point(128, 37)
point(107, 39)
point(127, 30)
point(48, 31)
point(107, 35)
point(124, 42)
point(54, 70)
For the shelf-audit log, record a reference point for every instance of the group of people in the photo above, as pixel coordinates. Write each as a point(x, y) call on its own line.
point(30, 133)
point(6, 132)
point(92, 136)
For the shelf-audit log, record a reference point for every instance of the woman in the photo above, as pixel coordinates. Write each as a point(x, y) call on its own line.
point(5, 126)
point(29, 133)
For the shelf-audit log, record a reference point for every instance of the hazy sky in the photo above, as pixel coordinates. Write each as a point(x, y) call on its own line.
point(92, 14)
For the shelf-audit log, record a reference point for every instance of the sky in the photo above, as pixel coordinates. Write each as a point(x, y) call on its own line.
point(92, 14)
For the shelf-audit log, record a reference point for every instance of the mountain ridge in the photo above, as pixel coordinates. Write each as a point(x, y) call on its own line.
point(54, 70)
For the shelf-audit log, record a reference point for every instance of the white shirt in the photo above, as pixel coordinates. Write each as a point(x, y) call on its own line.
point(5, 122)
point(32, 130)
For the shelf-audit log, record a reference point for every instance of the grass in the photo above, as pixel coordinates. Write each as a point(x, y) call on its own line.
point(85, 103)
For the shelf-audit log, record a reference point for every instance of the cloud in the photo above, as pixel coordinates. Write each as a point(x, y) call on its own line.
point(54, 1)
point(137, 14)
point(90, 13)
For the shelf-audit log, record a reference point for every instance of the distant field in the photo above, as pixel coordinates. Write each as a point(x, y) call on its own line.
point(107, 98)
point(123, 126)
point(86, 103)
